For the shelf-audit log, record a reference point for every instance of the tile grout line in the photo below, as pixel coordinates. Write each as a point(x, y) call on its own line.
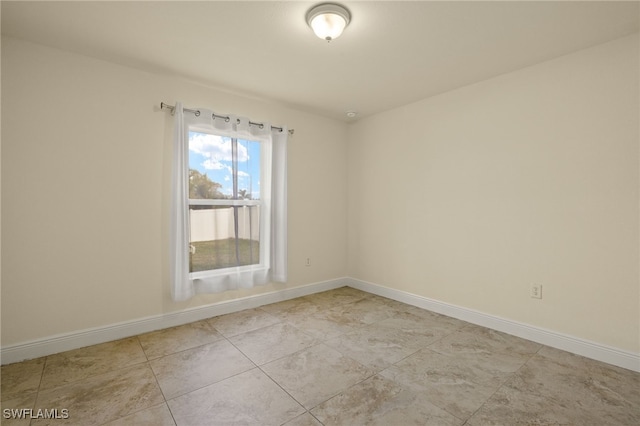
point(508, 378)
point(374, 371)
point(285, 391)
point(35, 402)
point(148, 362)
point(317, 342)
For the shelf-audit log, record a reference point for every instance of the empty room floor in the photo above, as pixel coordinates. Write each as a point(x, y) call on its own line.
point(341, 357)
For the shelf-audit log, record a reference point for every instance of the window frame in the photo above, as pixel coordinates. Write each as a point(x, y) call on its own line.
point(263, 203)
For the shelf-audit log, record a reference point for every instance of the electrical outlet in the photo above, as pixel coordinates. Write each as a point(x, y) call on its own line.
point(536, 291)
point(308, 262)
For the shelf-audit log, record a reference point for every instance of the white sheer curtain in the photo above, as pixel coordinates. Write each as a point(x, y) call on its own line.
point(181, 285)
point(273, 232)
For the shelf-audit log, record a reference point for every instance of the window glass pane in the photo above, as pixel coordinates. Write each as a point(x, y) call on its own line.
point(248, 170)
point(223, 168)
point(210, 166)
point(223, 237)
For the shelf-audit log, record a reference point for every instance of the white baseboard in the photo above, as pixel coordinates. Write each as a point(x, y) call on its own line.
point(597, 351)
point(92, 336)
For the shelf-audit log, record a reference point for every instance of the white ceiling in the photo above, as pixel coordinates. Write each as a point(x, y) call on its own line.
point(392, 53)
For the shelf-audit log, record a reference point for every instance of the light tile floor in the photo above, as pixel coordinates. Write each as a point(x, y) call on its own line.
point(342, 357)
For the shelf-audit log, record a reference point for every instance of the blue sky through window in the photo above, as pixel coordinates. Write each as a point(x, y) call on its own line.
point(212, 155)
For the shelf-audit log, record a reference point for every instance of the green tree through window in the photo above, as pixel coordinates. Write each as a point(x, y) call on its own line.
point(201, 187)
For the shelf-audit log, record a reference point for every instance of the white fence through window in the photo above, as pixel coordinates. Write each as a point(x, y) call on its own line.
point(218, 224)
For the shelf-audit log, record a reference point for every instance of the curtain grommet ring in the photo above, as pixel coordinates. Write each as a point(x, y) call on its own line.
point(197, 113)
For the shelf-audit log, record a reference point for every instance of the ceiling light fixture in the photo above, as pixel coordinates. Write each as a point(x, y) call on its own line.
point(328, 20)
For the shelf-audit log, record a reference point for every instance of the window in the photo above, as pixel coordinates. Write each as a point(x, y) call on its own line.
point(225, 207)
point(229, 198)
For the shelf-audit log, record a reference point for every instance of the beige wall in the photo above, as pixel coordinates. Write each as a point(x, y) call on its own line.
point(528, 177)
point(85, 185)
point(471, 196)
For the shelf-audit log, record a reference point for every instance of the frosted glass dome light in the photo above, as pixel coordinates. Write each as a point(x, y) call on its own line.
point(328, 20)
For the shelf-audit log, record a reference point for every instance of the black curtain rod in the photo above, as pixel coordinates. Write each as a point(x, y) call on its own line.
point(225, 117)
